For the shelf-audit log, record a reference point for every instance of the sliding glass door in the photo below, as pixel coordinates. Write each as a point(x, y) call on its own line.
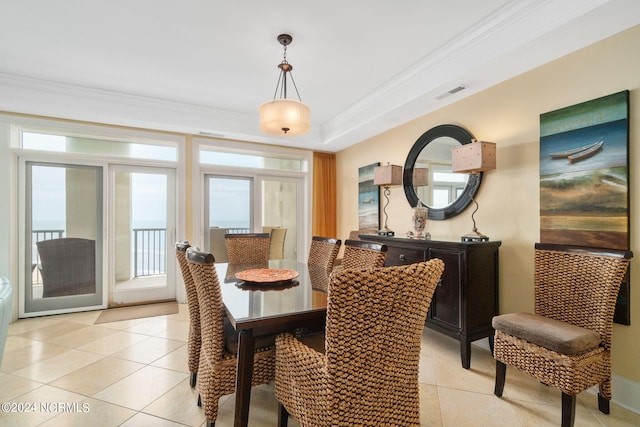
point(248, 204)
point(142, 235)
point(63, 237)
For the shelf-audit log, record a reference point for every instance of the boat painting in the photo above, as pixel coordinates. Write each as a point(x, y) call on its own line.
point(567, 153)
point(586, 153)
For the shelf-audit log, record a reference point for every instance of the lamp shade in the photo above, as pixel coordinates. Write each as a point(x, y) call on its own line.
point(420, 177)
point(285, 117)
point(387, 175)
point(475, 157)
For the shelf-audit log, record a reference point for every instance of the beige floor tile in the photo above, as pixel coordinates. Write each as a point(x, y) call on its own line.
point(82, 336)
point(430, 415)
point(141, 388)
point(45, 403)
point(263, 410)
point(426, 371)
point(12, 386)
point(175, 330)
point(540, 415)
point(463, 408)
point(27, 354)
point(619, 417)
point(177, 360)
point(97, 376)
point(113, 343)
point(179, 405)
point(25, 325)
point(150, 326)
point(519, 385)
point(480, 378)
point(93, 412)
point(52, 331)
point(86, 317)
point(58, 366)
point(124, 324)
point(149, 350)
point(183, 313)
point(145, 420)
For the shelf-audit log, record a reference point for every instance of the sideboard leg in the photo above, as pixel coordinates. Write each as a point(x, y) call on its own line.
point(465, 352)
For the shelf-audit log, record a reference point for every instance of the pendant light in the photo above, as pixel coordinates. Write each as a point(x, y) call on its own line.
point(281, 116)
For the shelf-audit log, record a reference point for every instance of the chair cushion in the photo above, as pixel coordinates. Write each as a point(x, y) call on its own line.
point(551, 334)
point(231, 339)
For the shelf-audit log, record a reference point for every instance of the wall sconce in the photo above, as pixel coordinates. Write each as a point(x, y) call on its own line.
point(474, 158)
point(386, 176)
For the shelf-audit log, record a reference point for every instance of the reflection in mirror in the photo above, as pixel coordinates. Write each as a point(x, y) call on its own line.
point(428, 178)
point(441, 187)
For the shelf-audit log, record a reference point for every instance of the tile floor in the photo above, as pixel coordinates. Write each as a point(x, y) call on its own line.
point(133, 373)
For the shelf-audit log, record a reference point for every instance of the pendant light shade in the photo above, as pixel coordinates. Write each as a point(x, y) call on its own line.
point(281, 116)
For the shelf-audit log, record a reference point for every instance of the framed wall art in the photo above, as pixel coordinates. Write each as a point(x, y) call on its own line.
point(584, 178)
point(368, 199)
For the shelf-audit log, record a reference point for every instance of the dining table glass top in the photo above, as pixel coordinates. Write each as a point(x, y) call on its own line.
point(246, 302)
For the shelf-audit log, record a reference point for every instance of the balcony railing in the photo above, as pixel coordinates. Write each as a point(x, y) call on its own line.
point(149, 255)
point(149, 251)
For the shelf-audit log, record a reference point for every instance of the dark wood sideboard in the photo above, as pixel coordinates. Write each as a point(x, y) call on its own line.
point(466, 298)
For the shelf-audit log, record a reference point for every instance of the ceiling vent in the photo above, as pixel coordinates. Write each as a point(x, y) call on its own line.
point(451, 91)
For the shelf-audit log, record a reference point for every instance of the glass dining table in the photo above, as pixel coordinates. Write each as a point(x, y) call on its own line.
point(263, 309)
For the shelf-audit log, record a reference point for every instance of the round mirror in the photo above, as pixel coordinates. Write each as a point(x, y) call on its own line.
point(428, 177)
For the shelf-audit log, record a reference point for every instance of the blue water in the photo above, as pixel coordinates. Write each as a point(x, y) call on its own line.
point(613, 153)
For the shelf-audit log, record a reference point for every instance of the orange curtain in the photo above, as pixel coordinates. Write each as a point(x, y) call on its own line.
point(324, 195)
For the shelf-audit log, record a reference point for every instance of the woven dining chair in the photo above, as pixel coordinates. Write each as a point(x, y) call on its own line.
point(323, 252)
point(368, 374)
point(248, 248)
point(567, 342)
point(218, 357)
point(360, 254)
point(194, 341)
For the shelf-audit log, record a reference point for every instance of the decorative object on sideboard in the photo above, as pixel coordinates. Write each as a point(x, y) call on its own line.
point(419, 220)
point(387, 176)
point(281, 116)
point(479, 156)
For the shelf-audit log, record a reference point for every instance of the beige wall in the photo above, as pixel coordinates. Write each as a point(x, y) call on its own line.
point(508, 114)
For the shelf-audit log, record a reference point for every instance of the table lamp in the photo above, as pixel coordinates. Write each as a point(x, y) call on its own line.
point(473, 158)
point(386, 176)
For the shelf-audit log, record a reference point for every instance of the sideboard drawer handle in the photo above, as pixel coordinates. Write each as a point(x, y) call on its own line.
point(402, 257)
point(439, 282)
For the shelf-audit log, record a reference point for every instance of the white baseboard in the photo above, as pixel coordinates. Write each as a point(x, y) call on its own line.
point(626, 393)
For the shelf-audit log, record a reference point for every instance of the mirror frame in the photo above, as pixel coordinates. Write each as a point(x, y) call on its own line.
point(473, 183)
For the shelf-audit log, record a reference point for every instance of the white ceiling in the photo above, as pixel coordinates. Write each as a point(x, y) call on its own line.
point(204, 66)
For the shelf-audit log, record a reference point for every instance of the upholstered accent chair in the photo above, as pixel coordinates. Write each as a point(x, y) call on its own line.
point(323, 252)
point(194, 340)
point(368, 372)
point(68, 266)
point(218, 357)
point(277, 235)
point(361, 254)
point(248, 248)
point(567, 342)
